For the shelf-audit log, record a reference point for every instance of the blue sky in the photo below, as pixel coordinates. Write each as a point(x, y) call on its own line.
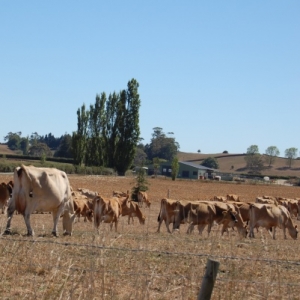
point(221, 75)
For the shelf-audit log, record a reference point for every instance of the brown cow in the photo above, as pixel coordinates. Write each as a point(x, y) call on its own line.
point(131, 209)
point(271, 216)
point(88, 193)
point(184, 209)
point(201, 214)
point(106, 210)
point(168, 210)
point(120, 194)
point(5, 194)
point(83, 207)
point(233, 197)
point(265, 200)
point(143, 198)
point(219, 198)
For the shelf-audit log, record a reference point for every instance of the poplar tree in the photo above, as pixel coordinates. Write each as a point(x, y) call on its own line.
point(111, 128)
point(95, 146)
point(79, 138)
point(128, 130)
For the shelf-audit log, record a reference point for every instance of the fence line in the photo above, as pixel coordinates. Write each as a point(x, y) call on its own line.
point(212, 256)
point(173, 277)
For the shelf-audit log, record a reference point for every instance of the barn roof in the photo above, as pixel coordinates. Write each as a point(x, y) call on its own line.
point(197, 166)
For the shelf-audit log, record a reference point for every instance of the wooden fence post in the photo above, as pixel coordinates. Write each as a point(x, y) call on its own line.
point(209, 279)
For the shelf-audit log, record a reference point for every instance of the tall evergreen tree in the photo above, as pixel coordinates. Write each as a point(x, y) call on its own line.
point(128, 130)
point(95, 146)
point(79, 138)
point(111, 128)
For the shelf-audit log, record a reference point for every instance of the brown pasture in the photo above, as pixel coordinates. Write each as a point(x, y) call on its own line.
point(137, 262)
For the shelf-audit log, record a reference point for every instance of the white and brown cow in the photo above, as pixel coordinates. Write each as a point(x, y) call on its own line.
point(41, 189)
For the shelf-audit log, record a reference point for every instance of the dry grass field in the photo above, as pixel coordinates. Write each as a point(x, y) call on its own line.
point(137, 262)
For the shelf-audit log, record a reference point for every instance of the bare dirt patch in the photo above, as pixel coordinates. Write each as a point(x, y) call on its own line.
point(137, 262)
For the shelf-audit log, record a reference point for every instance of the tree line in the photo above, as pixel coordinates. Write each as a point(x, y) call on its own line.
point(108, 135)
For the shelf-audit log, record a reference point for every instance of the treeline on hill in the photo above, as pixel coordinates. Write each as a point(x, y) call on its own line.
point(107, 136)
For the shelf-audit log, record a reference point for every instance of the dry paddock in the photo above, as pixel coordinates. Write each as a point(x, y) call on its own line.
point(137, 262)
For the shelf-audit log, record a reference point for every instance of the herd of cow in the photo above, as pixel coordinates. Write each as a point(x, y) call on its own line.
point(48, 190)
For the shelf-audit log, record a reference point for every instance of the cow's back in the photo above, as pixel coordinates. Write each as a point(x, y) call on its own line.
point(48, 188)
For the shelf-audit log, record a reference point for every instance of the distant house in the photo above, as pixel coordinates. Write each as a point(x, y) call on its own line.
point(188, 170)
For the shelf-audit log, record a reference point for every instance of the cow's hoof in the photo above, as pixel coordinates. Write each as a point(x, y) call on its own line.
point(6, 232)
point(55, 234)
point(67, 233)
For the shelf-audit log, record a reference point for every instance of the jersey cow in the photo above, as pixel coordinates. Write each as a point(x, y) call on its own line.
point(5, 194)
point(167, 213)
point(271, 216)
point(130, 209)
point(143, 198)
point(41, 189)
point(106, 210)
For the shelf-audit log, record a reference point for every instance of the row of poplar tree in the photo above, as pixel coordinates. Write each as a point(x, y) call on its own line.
point(108, 132)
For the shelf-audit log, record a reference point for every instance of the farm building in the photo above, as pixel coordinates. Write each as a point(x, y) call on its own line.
point(188, 170)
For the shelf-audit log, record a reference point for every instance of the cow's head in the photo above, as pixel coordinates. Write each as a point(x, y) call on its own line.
point(230, 215)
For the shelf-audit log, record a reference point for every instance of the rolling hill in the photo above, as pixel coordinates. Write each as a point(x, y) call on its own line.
point(236, 164)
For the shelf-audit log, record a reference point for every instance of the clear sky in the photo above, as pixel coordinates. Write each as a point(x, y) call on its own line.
point(222, 75)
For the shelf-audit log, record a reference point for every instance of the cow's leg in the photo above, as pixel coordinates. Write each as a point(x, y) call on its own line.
point(56, 215)
point(68, 220)
point(116, 226)
point(200, 228)
point(10, 212)
point(274, 231)
point(159, 224)
point(251, 233)
point(168, 225)
point(27, 222)
point(190, 228)
point(209, 226)
point(284, 232)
